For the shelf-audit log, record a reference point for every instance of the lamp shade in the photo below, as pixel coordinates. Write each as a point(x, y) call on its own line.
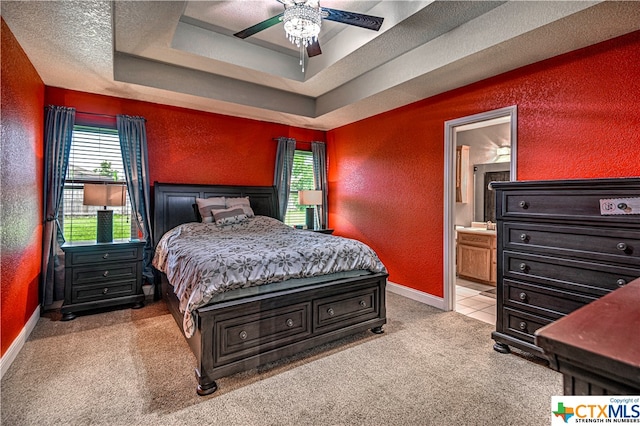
point(103, 195)
point(310, 198)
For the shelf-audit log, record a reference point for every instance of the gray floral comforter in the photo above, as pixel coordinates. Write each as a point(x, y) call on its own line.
point(203, 259)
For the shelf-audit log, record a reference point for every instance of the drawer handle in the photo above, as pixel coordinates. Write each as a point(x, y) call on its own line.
point(622, 246)
point(243, 335)
point(330, 312)
point(289, 322)
point(523, 267)
point(621, 282)
point(524, 237)
point(523, 325)
point(363, 303)
point(523, 204)
point(523, 296)
point(105, 256)
point(105, 274)
point(105, 291)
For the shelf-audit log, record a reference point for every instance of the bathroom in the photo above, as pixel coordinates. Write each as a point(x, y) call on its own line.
point(483, 155)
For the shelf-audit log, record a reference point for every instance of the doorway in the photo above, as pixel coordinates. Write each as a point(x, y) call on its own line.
point(452, 128)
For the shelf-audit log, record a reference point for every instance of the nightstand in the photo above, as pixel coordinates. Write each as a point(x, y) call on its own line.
point(99, 275)
point(322, 231)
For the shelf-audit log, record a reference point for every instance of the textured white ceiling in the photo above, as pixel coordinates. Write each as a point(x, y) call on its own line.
point(183, 53)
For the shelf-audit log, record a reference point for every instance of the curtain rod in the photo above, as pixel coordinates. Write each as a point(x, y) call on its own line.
point(96, 114)
point(276, 139)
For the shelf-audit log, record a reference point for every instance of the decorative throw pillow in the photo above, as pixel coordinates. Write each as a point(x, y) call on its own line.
point(205, 205)
point(229, 216)
point(241, 202)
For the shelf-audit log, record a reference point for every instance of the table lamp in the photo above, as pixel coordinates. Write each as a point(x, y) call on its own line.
point(104, 195)
point(310, 198)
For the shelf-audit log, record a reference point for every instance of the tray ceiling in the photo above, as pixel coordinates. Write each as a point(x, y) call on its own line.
point(183, 53)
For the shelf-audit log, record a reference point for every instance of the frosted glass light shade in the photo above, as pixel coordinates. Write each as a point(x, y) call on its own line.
point(310, 198)
point(103, 195)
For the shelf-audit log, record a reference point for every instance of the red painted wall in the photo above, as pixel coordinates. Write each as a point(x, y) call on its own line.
point(578, 117)
point(21, 188)
point(189, 146)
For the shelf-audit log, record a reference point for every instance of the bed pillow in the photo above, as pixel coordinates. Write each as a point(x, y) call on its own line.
point(205, 205)
point(229, 216)
point(241, 202)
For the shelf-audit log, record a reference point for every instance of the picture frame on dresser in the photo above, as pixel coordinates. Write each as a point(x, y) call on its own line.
point(557, 252)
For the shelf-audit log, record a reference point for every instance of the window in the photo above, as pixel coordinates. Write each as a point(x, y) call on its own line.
point(95, 157)
point(301, 178)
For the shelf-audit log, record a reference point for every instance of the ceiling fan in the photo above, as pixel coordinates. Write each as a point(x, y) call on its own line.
point(303, 19)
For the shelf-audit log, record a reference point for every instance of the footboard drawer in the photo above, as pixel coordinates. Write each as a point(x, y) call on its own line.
point(345, 309)
point(248, 335)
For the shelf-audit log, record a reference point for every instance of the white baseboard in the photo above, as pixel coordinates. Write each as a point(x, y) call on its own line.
point(418, 296)
point(11, 354)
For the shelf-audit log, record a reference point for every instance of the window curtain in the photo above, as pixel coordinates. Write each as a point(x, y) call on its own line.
point(282, 173)
point(133, 145)
point(58, 131)
point(319, 151)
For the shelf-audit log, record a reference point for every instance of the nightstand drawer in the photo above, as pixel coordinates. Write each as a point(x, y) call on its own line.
point(88, 293)
point(98, 255)
point(103, 273)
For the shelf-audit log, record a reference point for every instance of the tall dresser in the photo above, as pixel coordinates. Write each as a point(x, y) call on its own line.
point(561, 244)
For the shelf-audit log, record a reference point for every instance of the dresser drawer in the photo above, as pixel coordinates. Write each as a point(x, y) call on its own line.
point(97, 255)
point(107, 272)
point(248, 335)
point(342, 310)
point(522, 325)
point(563, 204)
point(604, 244)
point(88, 293)
point(585, 277)
point(542, 300)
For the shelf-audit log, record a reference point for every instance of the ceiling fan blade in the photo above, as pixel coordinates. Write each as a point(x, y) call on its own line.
point(351, 18)
point(247, 32)
point(314, 49)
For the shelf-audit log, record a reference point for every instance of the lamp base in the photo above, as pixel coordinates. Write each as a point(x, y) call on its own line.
point(310, 218)
point(105, 226)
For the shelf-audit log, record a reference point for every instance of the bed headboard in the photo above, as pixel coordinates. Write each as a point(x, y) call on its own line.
point(174, 202)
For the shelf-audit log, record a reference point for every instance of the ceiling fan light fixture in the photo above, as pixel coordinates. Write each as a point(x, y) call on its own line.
point(302, 25)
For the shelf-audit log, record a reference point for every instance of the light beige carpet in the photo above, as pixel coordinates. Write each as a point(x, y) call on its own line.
point(130, 367)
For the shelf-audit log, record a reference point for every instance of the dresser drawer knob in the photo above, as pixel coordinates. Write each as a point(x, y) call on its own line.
point(524, 237)
point(243, 335)
point(105, 256)
point(523, 204)
point(330, 312)
point(363, 303)
point(523, 267)
point(622, 246)
point(523, 325)
point(523, 296)
point(289, 322)
point(105, 274)
point(105, 291)
point(621, 282)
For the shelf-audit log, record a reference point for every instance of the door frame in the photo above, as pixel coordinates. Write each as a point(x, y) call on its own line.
point(449, 246)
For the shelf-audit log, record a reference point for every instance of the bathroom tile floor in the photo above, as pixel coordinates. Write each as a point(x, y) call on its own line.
point(471, 303)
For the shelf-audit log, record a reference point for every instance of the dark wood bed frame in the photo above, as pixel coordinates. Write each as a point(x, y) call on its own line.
point(252, 328)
